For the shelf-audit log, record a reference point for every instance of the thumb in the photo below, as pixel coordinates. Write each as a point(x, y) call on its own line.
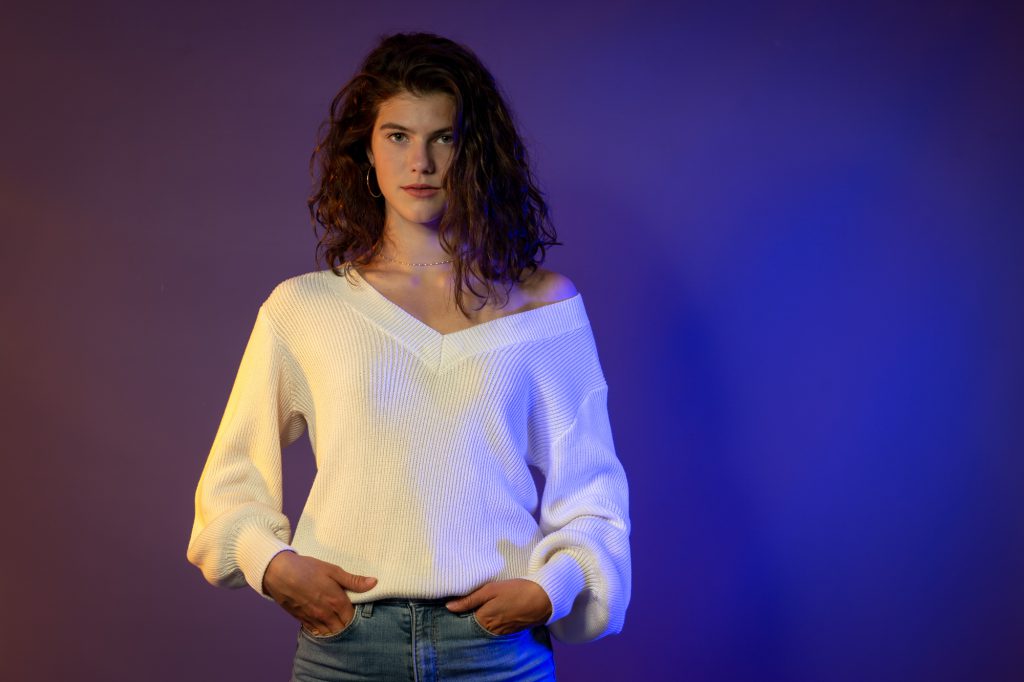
point(467, 603)
point(352, 581)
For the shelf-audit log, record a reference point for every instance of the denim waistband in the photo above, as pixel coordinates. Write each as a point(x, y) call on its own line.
point(438, 601)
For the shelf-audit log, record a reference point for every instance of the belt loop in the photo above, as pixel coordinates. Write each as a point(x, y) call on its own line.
point(367, 609)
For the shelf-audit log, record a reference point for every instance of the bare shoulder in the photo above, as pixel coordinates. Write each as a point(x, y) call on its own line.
point(548, 286)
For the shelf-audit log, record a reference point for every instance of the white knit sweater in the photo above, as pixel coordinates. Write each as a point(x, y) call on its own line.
point(422, 443)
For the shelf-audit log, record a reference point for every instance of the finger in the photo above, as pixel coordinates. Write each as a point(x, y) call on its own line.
point(318, 628)
point(335, 611)
point(322, 620)
point(342, 616)
point(328, 624)
point(334, 624)
point(470, 601)
point(352, 581)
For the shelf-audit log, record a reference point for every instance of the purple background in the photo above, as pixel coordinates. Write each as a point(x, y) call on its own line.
point(797, 229)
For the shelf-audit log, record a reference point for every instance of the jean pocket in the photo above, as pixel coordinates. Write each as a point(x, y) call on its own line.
point(492, 635)
point(334, 636)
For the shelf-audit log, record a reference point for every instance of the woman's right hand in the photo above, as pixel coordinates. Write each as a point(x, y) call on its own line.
point(313, 591)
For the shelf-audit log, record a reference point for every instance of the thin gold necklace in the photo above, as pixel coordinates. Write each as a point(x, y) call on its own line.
point(395, 260)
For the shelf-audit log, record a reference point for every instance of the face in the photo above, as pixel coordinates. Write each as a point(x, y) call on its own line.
point(412, 144)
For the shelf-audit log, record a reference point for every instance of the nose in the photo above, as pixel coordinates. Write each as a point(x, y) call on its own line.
point(420, 159)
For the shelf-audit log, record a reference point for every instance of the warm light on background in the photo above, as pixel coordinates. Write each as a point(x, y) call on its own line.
point(798, 233)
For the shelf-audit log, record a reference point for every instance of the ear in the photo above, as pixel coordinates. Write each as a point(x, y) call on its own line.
point(369, 154)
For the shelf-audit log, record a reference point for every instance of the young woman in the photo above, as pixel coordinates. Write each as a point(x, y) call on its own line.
point(434, 364)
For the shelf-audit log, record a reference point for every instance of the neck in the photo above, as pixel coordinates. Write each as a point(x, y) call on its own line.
point(413, 243)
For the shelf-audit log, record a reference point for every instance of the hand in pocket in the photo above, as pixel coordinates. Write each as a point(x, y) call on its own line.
point(313, 591)
point(504, 607)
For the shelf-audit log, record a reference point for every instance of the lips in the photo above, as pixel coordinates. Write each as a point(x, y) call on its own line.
point(421, 191)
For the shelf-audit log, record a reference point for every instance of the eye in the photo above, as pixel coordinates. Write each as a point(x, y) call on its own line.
point(393, 134)
point(450, 138)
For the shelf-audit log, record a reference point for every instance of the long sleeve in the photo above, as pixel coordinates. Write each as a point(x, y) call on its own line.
point(583, 562)
point(239, 525)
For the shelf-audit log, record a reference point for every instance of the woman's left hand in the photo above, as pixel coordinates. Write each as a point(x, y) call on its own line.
point(506, 606)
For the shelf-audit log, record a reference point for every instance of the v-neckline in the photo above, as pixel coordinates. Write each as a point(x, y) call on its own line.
point(440, 351)
point(447, 335)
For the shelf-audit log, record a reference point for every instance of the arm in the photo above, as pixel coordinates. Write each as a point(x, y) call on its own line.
point(240, 534)
point(583, 562)
point(239, 526)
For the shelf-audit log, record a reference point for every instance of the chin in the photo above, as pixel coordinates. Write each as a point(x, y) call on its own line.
point(417, 214)
point(423, 217)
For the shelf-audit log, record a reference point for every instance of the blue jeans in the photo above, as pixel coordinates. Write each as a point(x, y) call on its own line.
point(421, 640)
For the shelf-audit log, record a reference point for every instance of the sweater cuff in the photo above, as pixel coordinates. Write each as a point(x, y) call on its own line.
point(256, 547)
point(562, 578)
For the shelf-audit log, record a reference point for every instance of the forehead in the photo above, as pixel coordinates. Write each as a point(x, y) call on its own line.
point(434, 109)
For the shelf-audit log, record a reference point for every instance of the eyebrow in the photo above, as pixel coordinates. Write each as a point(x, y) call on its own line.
point(396, 126)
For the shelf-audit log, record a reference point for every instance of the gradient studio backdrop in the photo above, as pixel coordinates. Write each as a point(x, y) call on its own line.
point(798, 232)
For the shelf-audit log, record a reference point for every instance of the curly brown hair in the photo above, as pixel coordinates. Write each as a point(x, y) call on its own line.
point(496, 220)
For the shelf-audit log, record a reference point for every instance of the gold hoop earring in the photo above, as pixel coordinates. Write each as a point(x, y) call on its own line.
point(375, 196)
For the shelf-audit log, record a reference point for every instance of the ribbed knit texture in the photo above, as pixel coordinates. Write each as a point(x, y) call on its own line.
point(422, 443)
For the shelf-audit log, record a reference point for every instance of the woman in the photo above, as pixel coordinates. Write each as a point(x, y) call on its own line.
point(434, 363)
